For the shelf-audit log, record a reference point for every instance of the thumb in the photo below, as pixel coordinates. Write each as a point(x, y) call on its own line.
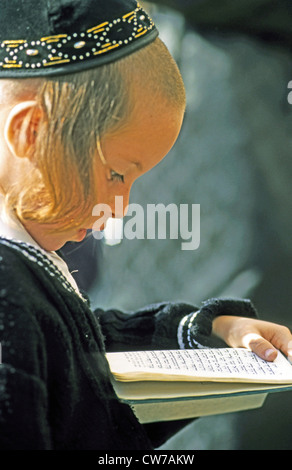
point(260, 346)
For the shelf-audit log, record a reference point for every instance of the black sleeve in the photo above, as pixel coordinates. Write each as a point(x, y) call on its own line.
point(195, 330)
point(168, 325)
point(152, 327)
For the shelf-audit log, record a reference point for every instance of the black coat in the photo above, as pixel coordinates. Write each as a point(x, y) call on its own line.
point(55, 389)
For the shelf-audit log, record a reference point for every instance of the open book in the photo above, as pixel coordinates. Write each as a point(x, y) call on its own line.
point(178, 384)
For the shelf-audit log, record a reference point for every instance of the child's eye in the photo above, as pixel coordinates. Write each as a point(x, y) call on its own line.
point(117, 177)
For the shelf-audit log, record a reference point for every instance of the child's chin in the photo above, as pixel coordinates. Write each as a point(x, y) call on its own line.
point(81, 235)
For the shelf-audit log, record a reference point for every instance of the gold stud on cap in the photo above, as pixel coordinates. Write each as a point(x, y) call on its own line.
point(79, 44)
point(32, 52)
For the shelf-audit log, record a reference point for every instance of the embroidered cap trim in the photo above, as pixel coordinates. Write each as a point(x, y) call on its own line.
point(53, 51)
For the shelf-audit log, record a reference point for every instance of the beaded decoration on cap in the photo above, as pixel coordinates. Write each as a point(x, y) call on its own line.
point(52, 52)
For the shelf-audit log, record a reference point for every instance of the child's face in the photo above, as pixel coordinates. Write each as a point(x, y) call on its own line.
point(129, 153)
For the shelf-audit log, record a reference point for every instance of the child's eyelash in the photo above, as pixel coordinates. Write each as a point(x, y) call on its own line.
point(117, 177)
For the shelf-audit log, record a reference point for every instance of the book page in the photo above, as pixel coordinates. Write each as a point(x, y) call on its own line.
point(167, 390)
point(226, 364)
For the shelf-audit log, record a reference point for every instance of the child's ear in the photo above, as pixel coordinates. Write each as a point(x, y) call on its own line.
point(21, 128)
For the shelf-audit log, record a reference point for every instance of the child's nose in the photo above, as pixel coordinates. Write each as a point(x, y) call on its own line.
point(119, 203)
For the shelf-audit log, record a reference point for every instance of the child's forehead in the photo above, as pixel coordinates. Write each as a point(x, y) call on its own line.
point(40, 38)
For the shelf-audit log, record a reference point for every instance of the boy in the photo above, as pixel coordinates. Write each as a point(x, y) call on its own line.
point(90, 101)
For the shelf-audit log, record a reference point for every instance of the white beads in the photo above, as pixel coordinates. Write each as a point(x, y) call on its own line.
point(63, 48)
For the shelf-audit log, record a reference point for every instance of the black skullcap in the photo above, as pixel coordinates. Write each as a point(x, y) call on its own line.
point(54, 37)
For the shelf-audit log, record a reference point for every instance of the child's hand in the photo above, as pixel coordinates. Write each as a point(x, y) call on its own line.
point(263, 338)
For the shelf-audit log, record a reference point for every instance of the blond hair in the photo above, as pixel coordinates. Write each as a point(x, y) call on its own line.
point(77, 110)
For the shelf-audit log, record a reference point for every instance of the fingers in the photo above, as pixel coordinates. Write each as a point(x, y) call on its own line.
point(263, 338)
point(260, 346)
point(287, 350)
point(282, 340)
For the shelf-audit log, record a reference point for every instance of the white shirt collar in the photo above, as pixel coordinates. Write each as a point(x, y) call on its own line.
point(12, 228)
